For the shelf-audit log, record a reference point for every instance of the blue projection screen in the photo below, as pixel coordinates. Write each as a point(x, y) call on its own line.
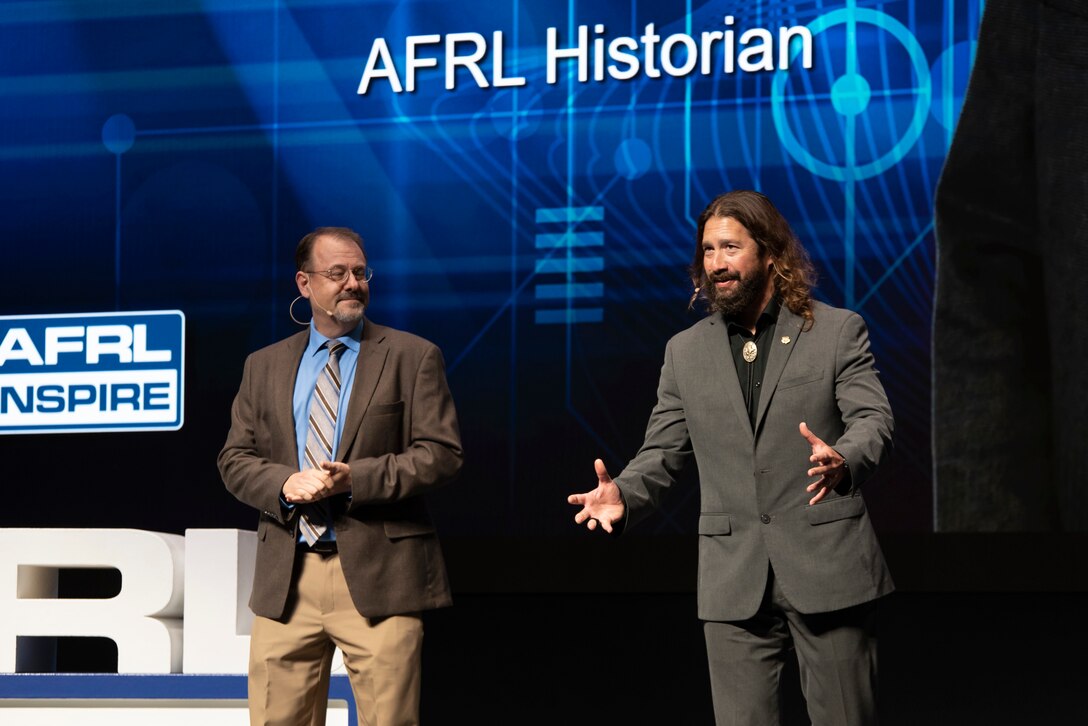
point(526, 176)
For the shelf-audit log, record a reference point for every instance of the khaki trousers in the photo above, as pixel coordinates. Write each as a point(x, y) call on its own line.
point(289, 661)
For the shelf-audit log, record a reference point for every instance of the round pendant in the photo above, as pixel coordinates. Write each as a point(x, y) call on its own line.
point(749, 352)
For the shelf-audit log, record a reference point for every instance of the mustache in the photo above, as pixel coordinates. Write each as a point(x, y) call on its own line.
point(351, 296)
point(723, 276)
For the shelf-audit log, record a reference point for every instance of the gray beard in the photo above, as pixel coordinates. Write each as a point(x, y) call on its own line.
point(348, 317)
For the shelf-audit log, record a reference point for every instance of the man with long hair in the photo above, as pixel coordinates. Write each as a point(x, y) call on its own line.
point(777, 398)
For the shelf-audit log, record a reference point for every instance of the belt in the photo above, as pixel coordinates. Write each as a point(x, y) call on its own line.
point(325, 548)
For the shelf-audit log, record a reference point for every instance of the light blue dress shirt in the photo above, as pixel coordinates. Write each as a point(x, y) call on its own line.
point(313, 361)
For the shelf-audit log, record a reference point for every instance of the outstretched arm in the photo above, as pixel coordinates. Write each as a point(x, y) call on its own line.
point(604, 505)
point(645, 480)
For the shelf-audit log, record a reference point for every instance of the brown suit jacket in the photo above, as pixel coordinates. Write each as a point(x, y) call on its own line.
point(400, 439)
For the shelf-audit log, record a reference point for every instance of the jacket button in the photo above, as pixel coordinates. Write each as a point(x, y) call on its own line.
point(765, 518)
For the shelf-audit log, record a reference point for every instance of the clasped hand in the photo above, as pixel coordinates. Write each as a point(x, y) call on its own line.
point(313, 485)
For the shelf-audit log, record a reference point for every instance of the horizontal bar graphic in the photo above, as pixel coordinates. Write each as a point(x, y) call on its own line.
point(565, 265)
point(565, 291)
point(574, 315)
point(569, 239)
point(569, 214)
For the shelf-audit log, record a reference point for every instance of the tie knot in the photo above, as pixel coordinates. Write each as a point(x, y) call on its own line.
point(335, 349)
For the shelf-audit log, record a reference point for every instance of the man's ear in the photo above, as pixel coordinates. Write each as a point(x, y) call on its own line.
point(302, 280)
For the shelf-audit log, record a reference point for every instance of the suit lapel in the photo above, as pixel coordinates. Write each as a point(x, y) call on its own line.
point(721, 361)
point(368, 371)
point(282, 397)
point(787, 326)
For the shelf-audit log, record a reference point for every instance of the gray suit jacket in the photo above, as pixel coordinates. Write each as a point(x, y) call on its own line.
point(401, 440)
point(755, 508)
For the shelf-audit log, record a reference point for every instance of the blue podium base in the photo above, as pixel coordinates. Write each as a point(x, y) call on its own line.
point(40, 699)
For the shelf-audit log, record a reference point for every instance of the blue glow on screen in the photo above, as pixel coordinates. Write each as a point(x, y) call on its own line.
point(170, 155)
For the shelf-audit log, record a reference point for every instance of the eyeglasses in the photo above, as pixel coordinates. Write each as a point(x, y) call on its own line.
point(340, 273)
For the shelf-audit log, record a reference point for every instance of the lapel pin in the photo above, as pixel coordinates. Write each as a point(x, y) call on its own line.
point(785, 340)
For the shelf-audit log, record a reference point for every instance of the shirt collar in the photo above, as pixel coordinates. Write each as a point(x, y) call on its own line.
point(769, 316)
point(351, 339)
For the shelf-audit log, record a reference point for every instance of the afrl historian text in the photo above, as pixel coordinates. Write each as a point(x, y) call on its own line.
point(591, 54)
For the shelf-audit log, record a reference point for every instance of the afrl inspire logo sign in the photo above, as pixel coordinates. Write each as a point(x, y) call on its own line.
point(92, 372)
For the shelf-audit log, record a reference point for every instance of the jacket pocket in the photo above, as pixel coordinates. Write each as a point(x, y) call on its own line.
point(384, 409)
point(401, 528)
point(835, 509)
point(714, 524)
point(800, 378)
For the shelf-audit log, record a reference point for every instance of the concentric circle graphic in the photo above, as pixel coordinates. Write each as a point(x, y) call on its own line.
point(851, 94)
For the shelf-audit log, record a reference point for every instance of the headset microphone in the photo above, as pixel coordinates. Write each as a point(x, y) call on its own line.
point(321, 307)
point(330, 313)
point(314, 300)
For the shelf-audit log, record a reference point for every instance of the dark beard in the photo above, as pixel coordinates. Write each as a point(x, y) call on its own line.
point(748, 291)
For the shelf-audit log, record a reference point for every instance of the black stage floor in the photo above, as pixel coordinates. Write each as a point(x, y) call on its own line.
point(985, 629)
point(946, 658)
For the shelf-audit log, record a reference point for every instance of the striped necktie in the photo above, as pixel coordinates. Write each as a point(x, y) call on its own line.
point(314, 519)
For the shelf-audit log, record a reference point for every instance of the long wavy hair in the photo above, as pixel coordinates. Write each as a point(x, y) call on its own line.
point(794, 275)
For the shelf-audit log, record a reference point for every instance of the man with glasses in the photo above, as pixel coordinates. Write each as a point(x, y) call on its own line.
point(336, 433)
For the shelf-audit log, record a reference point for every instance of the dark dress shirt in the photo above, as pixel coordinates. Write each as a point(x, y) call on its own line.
point(751, 374)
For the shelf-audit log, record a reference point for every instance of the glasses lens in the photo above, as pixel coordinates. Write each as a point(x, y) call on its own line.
point(363, 274)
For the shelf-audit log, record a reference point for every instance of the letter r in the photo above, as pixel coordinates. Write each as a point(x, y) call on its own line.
point(143, 619)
